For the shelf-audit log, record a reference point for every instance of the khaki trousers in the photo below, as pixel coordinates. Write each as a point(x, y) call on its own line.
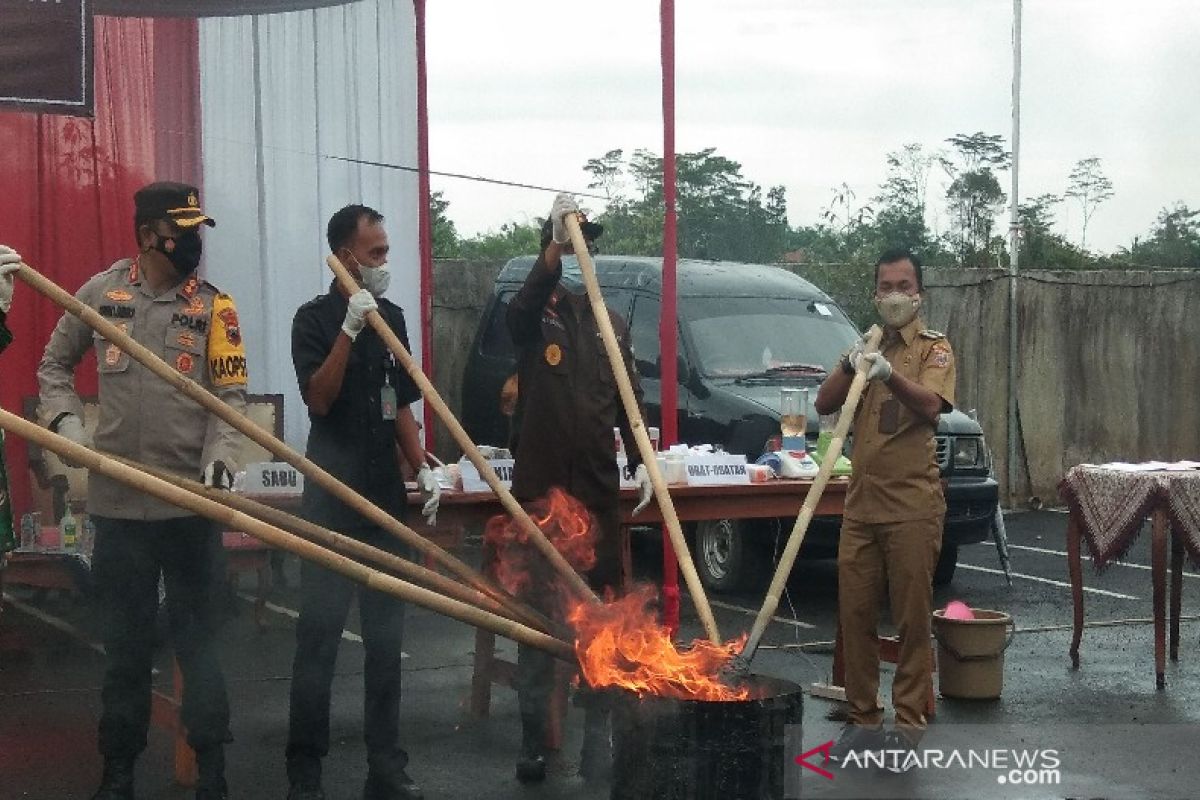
point(898, 557)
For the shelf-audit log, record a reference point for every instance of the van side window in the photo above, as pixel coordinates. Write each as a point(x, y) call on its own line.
point(643, 335)
point(497, 343)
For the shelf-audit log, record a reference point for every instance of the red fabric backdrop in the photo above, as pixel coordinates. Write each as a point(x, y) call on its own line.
point(67, 204)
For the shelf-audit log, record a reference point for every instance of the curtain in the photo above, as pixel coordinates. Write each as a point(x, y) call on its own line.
point(67, 204)
point(292, 103)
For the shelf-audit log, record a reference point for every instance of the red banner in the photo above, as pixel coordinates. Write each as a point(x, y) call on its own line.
point(46, 56)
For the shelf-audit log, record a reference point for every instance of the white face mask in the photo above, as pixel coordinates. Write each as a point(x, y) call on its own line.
point(376, 279)
point(897, 309)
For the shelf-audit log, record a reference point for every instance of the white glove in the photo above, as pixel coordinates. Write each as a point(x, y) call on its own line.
point(850, 361)
point(10, 261)
point(361, 304)
point(641, 476)
point(217, 476)
point(431, 493)
point(563, 204)
point(878, 368)
point(71, 427)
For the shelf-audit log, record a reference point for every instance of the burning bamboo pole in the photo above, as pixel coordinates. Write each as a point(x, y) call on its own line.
point(236, 520)
point(796, 538)
point(258, 435)
point(522, 518)
point(339, 543)
point(636, 424)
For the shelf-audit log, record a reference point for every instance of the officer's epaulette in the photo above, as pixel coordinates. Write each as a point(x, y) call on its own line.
point(932, 334)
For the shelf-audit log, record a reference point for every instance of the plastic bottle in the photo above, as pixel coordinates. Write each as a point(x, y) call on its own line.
point(68, 531)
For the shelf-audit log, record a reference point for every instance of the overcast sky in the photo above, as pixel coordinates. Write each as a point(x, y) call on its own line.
point(811, 93)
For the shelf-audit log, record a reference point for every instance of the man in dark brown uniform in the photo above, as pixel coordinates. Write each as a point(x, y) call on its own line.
point(567, 407)
point(892, 525)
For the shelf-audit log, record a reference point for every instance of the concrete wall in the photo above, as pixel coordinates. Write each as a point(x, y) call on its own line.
point(461, 290)
point(1109, 361)
point(1107, 371)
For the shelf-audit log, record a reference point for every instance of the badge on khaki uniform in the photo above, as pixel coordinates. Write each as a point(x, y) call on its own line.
point(184, 363)
point(226, 354)
point(940, 356)
point(553, 355)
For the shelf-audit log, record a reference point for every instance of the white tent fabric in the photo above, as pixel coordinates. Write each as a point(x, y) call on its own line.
point(283, 98)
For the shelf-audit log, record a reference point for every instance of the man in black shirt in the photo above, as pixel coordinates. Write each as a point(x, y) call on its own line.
point(358, 402)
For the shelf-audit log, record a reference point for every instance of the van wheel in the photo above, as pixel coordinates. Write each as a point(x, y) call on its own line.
point(726, 556)
point(943, 573)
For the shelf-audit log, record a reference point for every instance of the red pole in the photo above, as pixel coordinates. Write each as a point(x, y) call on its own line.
point(667, 327)
point(424, 229)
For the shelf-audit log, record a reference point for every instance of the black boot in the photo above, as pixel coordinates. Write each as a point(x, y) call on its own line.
point(388, 780)
point(117, 783)
point(531, 765)
point(210, 764)
point(595, 757)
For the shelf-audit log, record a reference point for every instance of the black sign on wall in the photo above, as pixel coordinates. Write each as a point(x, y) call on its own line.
point(46, 56)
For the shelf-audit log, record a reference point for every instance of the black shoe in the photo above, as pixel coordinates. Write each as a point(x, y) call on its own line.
point(531, 764)
point(595, 757)
point(306, 791)
point(117, 783)
point(856, 740)
point(394, 785)
point(210, 769)
point(897, 753)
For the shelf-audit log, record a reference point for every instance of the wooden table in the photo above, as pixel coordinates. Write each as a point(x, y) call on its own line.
point(1107, 510)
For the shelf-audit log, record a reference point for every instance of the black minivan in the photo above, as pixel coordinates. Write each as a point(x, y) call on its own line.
point(745, 332)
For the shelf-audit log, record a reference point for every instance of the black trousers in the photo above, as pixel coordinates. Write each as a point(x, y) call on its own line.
point(128, 558)
point(324, 605)
point(534, 677)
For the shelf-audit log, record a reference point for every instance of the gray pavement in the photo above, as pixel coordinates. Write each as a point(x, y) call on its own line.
point(1116, 736)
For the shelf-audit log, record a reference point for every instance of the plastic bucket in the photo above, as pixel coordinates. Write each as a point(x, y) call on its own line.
point(971, 653)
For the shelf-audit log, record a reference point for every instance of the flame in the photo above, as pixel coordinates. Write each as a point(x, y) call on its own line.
point(568, 525)
point(620, 643)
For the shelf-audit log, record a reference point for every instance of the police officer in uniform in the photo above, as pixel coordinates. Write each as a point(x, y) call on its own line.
point(567, 407)
point(892, 524)
point(157, 299)
point(358, 399)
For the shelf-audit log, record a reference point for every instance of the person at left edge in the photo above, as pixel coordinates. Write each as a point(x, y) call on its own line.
point(358, 399)
point(158, 300)
point(10, 262)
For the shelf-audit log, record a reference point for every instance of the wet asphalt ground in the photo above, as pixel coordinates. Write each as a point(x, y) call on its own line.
point(1113, 734)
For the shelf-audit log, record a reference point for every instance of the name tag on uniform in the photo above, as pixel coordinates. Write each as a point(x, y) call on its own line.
point(387, 402)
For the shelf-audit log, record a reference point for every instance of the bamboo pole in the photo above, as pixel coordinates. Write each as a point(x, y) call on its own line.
point(796, 538)
point(528, 526)
point(258, 435)
point(637, 425)
point(332, 540)
point(236, 520)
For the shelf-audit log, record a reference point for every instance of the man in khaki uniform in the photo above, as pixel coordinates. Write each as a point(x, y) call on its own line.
point(892, 525)
point(158, 300)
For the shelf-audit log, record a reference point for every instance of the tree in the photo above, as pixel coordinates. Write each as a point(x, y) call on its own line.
point(974, 194)
point(444, 234)
point(1174, 241)
point(1088, 184)
point(901, 199)
point(606, 173)
point(1040, 245)
point(513, 239)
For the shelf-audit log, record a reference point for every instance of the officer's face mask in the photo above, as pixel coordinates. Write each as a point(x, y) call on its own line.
point(374, 279)
point(572, 275)
point(897, 309)
point(183, 251)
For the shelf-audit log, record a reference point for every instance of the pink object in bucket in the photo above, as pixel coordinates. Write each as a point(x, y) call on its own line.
point(957, 609)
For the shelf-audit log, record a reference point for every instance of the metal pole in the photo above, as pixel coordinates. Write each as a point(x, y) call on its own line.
point(1014, 230)
point(667, 330)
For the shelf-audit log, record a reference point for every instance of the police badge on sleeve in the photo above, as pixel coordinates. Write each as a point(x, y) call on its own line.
point(226, 353)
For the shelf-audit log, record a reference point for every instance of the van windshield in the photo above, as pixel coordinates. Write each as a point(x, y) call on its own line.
point(736, 337)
